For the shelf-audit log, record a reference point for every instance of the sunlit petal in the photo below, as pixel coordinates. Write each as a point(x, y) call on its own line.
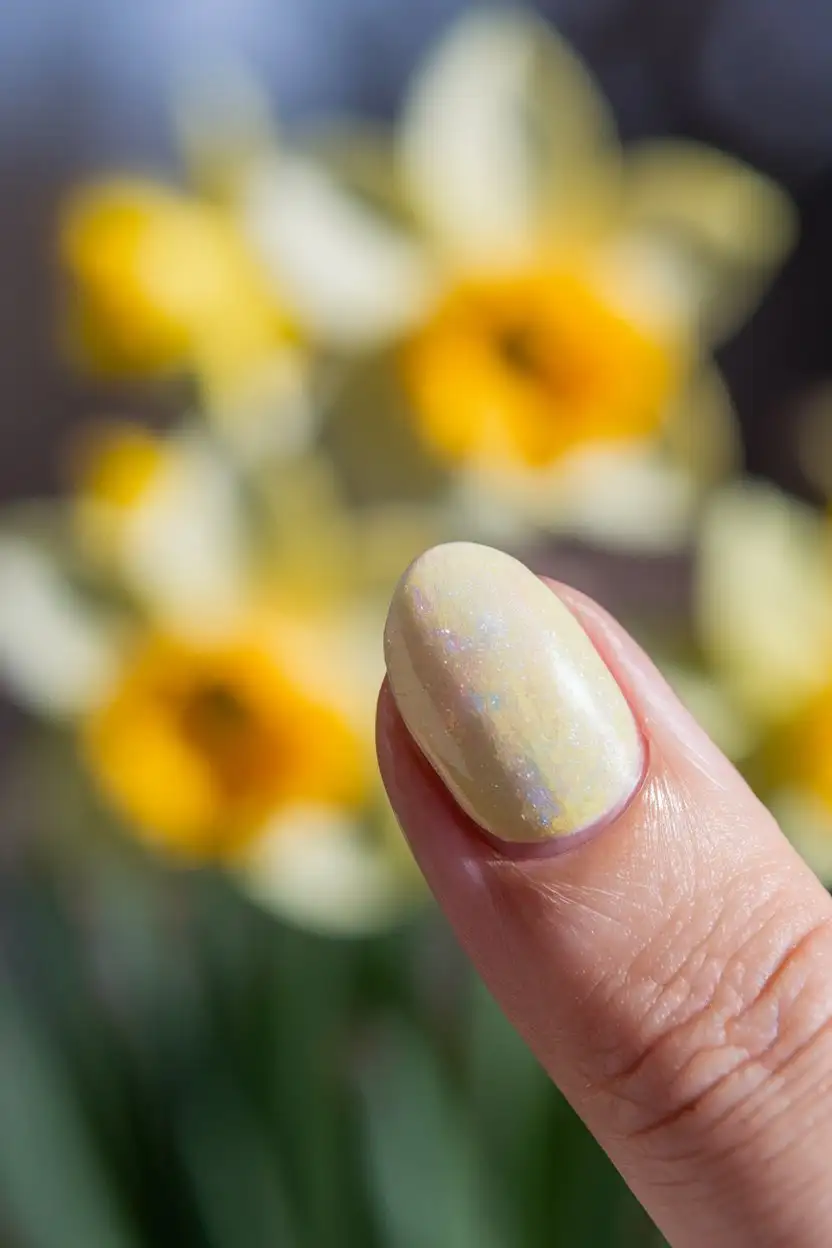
point(625, 497)
point(504, 135)
point(701, 431)
point(717, 228)
point(635, 497)
point(159, 279)
point(318, 868)
point(349, 273)
point(267, 410)
point(177, 539)
point(765, 597)
point(56, 655)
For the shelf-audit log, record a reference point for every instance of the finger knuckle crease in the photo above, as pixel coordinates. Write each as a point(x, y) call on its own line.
point(728, 1036)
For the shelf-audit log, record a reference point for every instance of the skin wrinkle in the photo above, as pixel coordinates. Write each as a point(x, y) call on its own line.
point(729, 1016)
point(661, 794)
point(778, 1128)
point(669, 803)
point(565, 897)
point(752, 1120)
point(669, 973)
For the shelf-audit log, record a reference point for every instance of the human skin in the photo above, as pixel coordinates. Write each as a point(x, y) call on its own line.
point(670, 964)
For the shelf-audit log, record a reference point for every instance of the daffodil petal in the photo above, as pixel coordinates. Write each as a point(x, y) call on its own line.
point(701, 431)
point(503, 134)
point(350, 274)
point(314, 868)
point(179, 546)
point(268, 413)
point(56, 656)
point(634, 496)
point(188, 547)
point(629, 497)
point(716, 227)
point(764, 597)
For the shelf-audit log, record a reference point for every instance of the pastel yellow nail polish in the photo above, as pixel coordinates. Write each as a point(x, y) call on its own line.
point(507, 697)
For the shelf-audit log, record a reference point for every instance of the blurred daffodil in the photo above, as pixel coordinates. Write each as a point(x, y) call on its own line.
point(161, 282)
point(162, 516)
point(186, 532)
point(245, 744)
point(549, 299)
point(204, 737)
point(222, 707)
point(765, 615)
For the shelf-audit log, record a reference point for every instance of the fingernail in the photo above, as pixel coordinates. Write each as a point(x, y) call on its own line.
point(507, 697)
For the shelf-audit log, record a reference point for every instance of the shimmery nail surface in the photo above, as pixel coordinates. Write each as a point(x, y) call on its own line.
point(507, 697)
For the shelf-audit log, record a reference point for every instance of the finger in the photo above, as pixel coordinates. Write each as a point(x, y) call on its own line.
point(632, 906)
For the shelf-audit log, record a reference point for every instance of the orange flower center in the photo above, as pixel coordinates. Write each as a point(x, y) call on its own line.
point(525, 368)
point(202, 743)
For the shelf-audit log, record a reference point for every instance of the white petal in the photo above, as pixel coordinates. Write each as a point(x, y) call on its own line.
point(183, 547)
point(501, 131)
point(765, 597)
point(346, 271)
point(717, 228)
point(624, 497)
point(630, 498)
point(269, 413)
point(314, 869)
point(56, 656)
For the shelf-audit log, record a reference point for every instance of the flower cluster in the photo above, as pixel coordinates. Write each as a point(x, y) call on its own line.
point(491, 321)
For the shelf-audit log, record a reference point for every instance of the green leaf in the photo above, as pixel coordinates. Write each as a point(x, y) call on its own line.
point(235, 1181)
point(54, 1184)
point(423, 1165)
point(511, 1105)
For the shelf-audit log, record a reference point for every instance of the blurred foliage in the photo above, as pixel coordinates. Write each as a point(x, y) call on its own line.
point(176, 1068)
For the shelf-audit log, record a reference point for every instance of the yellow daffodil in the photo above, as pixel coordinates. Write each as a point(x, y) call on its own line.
point(204, 738)
point(765, 614)
point(161, 282)
point(186, 534)
point(162, 516)
point(549, 299)
point(245, 744)
point(223, 706)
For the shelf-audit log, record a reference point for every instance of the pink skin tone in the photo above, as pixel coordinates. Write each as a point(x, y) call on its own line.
point(671, 969)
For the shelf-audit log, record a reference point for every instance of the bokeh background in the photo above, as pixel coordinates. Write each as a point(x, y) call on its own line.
point(180, 1062)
